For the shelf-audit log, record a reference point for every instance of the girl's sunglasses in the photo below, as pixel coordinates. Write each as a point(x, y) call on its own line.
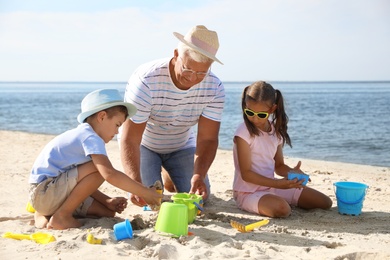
point(251, 113)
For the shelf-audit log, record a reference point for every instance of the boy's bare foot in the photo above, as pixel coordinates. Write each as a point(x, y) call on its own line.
point(59, 221)
point(40, 221)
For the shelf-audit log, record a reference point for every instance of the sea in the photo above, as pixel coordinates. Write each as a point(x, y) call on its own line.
point(332, 121)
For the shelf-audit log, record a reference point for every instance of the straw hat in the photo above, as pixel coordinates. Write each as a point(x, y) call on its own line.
point(202, 40)
point(101, 99)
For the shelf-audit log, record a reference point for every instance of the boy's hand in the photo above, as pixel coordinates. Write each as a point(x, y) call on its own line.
point(153, 198)
point(117, 204)
point(136, 200)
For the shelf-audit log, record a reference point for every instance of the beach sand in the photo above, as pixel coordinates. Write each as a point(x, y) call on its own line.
point(314, 234)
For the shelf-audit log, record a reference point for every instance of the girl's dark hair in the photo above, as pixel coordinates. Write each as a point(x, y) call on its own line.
point(261, 91)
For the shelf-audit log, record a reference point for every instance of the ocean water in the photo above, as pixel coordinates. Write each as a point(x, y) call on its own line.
point(332, 121)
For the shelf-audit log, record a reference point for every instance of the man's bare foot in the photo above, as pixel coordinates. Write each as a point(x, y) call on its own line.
point(60, 221)
point(168, 184)
point(40, 221)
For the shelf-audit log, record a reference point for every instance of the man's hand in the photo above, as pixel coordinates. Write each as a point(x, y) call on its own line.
point(198, 186)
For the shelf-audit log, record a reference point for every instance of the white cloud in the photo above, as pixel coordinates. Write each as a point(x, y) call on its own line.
point(270, 40)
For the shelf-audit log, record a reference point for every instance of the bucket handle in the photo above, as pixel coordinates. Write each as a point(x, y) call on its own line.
point(348, 202)
point(351, 203)
point(198, 206)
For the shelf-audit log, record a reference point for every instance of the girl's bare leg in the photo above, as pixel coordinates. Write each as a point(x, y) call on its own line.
point(273, 206)
point(313, 199)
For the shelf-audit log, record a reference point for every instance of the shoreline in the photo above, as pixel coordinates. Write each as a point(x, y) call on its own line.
point(304, 235)
point(219, 149)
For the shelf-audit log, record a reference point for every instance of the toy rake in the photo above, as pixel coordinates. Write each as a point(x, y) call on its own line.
point(247, 228)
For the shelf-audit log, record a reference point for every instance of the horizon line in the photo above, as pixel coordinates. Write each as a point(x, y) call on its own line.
point(228, 81)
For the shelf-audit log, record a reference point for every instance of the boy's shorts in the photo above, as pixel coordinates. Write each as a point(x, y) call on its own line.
point(47, 196)
point(249, 201)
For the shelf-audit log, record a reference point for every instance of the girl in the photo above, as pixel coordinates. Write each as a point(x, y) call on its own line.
point(258, 154)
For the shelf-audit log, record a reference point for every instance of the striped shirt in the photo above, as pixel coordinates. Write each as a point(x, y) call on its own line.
point(170, 112)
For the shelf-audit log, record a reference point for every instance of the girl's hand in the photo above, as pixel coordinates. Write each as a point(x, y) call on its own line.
point(297, 168)
point(117, 204)
point(289, 184)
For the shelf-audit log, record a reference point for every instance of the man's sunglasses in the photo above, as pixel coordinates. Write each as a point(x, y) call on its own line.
point(251, 113)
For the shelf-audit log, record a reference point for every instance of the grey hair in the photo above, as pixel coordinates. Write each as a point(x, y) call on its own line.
point(193, 54)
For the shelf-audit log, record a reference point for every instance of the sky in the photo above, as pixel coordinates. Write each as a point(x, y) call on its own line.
point(278, 40)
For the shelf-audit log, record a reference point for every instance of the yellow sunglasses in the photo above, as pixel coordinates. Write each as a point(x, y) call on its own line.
point(251, 113)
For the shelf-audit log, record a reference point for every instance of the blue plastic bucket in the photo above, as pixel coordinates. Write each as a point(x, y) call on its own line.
point(350, 197)
point(123, 230)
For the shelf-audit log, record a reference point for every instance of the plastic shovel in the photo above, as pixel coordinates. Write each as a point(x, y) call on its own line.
point(242, 228)
point(40, 238)
point(92, 240)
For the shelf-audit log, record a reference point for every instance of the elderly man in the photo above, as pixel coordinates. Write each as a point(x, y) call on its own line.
point(172, 95)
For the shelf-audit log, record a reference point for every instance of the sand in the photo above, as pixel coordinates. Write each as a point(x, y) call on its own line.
point(314, 234)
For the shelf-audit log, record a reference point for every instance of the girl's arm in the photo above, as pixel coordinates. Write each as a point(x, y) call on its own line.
point(281, 168)
point(244, 155)
point(245, 162)
point(122, 181)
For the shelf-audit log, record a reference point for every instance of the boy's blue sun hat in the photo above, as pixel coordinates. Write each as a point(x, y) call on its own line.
point(101, 99)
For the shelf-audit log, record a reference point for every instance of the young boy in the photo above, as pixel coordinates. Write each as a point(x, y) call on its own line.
point(65, 178)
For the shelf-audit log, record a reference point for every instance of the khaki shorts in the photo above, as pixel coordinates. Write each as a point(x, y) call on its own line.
point(47, 196)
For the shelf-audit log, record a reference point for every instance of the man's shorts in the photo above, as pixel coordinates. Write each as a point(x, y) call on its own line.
point(249, 201)
point(47, 196)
